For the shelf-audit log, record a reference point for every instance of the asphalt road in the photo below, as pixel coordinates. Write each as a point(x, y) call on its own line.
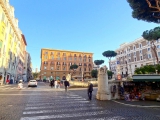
point(45, 103)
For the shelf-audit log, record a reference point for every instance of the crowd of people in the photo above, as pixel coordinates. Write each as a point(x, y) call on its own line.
point(57, 84)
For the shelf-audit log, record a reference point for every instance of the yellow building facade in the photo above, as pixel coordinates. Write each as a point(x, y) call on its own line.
point(10, 42)
point(56, 64)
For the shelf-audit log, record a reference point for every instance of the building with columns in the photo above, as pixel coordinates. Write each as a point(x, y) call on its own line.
point(56, 63)
point(135, 54)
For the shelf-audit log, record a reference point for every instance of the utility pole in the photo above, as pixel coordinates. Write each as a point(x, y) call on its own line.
point(82, 65)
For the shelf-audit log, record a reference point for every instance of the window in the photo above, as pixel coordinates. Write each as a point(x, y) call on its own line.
point(149, 55)
point(84, 69)
point(80, 59)
point(140, 45)
point(64, 54)
point(52, 57)
point(46, 56)
point(148, 49)
point(46, 52)
point(51, 68)
point(135, 53)
point(135, 59)
point(44, 72)
point(64, 68)
point(158, 54)
point(79, 69)
point(89, 60)
point(64, 58)
point(134, 47)
point(141, 58)
point(58, 68)
point(70, 58)
point(75, 58)
point(45, 67)
point(58, 58)
point(140, 51)
point(158, 46)
point(135, 65)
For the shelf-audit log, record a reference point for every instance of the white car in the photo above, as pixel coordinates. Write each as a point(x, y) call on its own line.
point(32, 83)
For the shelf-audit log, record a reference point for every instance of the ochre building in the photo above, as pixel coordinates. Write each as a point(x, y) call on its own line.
point(56, 64)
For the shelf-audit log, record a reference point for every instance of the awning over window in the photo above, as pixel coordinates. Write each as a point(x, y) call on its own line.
point(146, 78)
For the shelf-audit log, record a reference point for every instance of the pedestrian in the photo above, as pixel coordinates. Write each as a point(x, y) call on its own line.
point(90, 89)
point(66, 84)
point(51, 83)
point(55, 83)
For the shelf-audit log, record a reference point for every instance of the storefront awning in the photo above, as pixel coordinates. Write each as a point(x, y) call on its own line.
point(146, 78)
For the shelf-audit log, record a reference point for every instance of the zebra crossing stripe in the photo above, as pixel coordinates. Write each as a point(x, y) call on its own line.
point(63, 106)
point(62, 110)
point(65, 115)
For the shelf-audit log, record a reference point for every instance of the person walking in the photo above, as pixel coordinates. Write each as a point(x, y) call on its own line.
point(55, 84)
point(51, 83)
point(90, 89)
point(66, 84)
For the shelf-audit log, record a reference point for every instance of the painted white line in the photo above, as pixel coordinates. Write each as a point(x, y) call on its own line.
point(56, 100)
point(65, 115)
point(62, 110)
point(107, 118)
point(135, 105)
point(58, 106)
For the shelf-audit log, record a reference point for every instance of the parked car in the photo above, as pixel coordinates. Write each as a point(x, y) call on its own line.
point(32, 83)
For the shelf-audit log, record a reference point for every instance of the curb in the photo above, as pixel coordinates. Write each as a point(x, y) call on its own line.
point(135, 105)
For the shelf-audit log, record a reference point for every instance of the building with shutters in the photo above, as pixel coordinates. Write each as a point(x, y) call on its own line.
point(12, 45)
point(56, 64)
point(134, 54)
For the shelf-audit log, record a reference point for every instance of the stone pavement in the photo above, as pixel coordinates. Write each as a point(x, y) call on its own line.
point(52, 104)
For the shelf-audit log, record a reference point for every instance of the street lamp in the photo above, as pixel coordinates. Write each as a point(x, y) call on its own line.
point(82, 65)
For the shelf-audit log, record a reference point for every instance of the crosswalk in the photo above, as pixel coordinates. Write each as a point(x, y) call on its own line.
point(12, 88)
point(61, 105)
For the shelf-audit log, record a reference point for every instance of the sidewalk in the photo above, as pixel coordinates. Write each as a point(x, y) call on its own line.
point(138, 103)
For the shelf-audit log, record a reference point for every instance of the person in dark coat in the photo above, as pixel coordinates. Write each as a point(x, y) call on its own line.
point(66, 84)
point(52, 83)
point(90, 89)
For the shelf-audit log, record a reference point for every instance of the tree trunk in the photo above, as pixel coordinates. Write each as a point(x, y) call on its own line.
point(154, 48)
point(109, 64)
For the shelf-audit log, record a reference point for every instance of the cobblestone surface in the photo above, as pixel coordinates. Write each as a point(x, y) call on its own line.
point(47, 104)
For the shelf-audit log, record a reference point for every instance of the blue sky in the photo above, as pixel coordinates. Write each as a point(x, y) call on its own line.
point(79, 25)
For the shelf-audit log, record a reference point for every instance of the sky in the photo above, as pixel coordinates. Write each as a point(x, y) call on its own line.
point(79, 25)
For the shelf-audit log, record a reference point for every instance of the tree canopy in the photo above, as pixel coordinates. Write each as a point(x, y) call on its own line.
point(147, 69)
point(72, 67)
point(152, 35)
point(109, 54)
point(94, 73)
point(35, 75)
point(99, 62)
point(146, 10)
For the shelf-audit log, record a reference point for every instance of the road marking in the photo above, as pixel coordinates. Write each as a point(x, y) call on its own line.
point(58, 106)
point(136, 105)
point(107, 118)
point(62, 110)
point(65, 115)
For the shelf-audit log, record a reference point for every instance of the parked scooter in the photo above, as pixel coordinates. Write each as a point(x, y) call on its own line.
point(20, 84)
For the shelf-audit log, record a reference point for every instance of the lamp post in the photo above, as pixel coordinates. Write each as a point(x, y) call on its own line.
point(82, 65)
